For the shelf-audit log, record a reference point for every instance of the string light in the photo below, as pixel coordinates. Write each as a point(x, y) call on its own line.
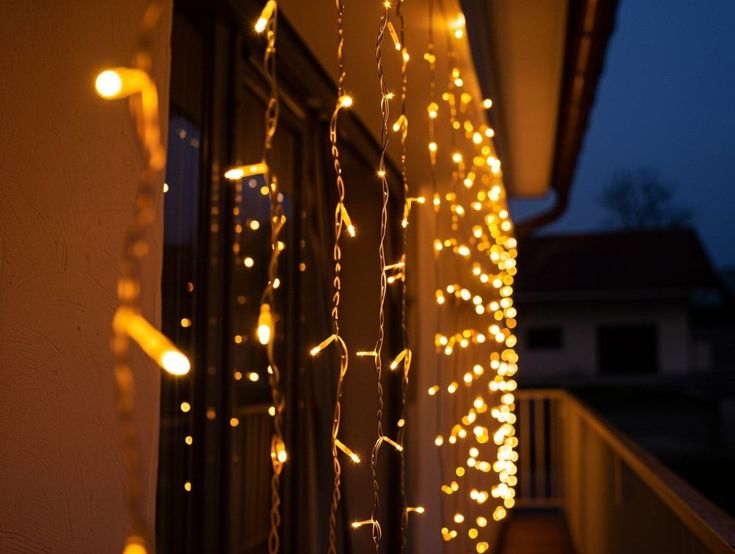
point(266, 331)
point(487, 248)
point(128, 324)
point(385, 97)
point(341, 221)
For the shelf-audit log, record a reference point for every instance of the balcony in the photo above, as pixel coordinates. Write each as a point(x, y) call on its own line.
point(585, 487)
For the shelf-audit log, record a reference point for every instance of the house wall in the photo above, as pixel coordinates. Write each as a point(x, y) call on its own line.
point(579, 322)
point(68, 178)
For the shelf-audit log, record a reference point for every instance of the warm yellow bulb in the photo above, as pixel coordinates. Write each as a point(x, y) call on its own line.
point(175, 363)
point(152, 341)
point(433, 147)
point(278, 450)
point(265, 16)
point(120, 82)
point(265, 324)
point(135, 545)
point(108, 83)
point(345, 101)
point(487, 103)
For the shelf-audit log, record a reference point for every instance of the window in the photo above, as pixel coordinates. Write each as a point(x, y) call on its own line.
point(214, 467)
point(544, 338)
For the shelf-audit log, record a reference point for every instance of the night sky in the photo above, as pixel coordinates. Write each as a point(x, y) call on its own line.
point(666, 102)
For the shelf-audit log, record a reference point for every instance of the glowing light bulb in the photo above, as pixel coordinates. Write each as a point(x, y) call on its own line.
point(345, 101)
point(242, 171)
point(135, 545)
point(265, 324)
point(278, 451)
point(120, 82)
point(322, 345)
point(152, 341)
point(265, 16)
point(487, 103)
point(108, 83)
point(354, 457)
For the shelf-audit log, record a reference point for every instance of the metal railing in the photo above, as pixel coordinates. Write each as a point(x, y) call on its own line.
point(616, 496)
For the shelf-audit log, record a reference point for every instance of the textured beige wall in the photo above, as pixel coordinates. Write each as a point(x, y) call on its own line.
point(68, 171)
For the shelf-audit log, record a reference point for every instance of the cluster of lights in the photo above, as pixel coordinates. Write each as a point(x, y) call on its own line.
point(479, 237)
point(477, 360)
point(128, 323)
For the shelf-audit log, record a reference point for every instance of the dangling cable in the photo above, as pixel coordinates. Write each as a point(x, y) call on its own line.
point(341, 222)
point(266, 330)
point(128, 323)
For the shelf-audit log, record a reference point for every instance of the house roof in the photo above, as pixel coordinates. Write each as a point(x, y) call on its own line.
point(648, 263)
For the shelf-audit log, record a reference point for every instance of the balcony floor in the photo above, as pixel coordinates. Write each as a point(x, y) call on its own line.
point(536, 532)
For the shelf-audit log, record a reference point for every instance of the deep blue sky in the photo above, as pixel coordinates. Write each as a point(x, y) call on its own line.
point(666, 101)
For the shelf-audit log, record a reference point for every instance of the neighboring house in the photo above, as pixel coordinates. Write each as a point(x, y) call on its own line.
point(619, 303)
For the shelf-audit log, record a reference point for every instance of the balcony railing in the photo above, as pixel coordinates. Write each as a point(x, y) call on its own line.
point(617, 498)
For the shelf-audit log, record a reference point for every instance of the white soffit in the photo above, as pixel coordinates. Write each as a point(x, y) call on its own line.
point(529, 41)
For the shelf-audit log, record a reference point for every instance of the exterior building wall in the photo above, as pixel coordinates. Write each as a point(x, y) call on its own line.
point(579, 322)
point(68, 179)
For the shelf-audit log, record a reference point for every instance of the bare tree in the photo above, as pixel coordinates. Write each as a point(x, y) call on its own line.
point(641, 200)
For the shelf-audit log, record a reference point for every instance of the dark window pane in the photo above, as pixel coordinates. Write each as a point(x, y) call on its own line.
point(544, 338)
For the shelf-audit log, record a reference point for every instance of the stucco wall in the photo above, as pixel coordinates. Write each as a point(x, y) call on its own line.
point(68, 174)
point(579, 322)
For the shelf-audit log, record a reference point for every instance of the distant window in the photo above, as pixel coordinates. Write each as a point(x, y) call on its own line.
point(544, 338)
point(627, 349)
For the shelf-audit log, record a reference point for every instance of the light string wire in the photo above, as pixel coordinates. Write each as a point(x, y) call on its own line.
point(401, 126)
point(267, 319)
point(433, 112)
point(128, 323)
point(277, 220)
point(483, 194)
point(377, 352)
point(341, 221)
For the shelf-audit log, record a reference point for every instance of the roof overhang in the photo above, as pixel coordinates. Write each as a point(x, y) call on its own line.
point(538, 60)
point(542, 62)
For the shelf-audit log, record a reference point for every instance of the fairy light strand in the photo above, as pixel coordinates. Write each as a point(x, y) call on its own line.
point(128, 323)
point(385, 114)
point(341, 221)
point(267, 23)
point(267, 319)
point(401, 126)
point(484, 320)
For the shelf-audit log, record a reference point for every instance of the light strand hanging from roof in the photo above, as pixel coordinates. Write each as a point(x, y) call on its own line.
point(406, 355)
point(342, 222)
point(266, 328)
point(128, 323)
point(483, 320)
